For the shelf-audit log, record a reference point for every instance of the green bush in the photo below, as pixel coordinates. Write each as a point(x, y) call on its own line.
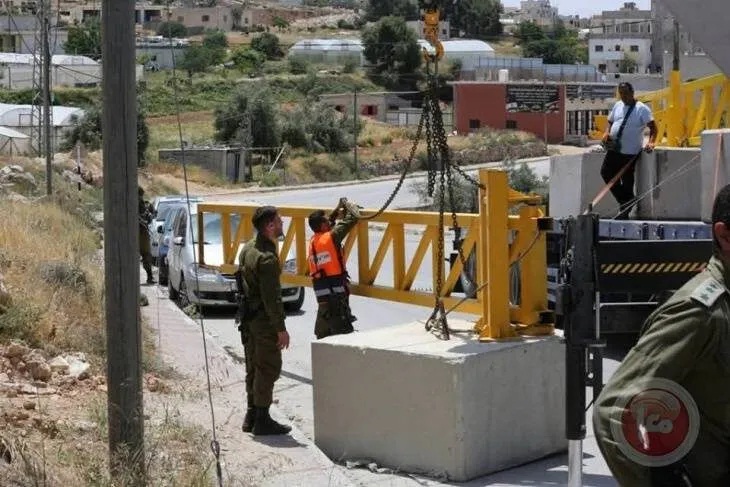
point(316, 127)
point(271, 179)
point(18, 323)
point(297, 65)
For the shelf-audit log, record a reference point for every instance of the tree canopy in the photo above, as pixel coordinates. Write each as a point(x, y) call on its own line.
point(559, 46)
point(84, 39)
point(391, 48)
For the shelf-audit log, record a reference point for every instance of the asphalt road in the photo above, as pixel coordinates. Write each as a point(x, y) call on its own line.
point(294, 389)
point(369, 195)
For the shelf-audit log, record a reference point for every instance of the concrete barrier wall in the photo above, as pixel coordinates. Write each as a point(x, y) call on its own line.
point(715, 167)
point(668, 183)
point(407, 400)
point(574, 181)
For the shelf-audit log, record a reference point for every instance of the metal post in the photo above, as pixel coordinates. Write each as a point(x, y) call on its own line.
point(78, 162)
point(354, 133)
point(675, 47)
point(121, 244)
point(494, 255)
point(46, 88)
point(577, 305)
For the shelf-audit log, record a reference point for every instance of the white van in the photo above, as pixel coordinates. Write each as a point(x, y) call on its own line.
point(188, 283)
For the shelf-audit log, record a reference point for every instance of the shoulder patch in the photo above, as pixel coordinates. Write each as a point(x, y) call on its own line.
point(708, 292)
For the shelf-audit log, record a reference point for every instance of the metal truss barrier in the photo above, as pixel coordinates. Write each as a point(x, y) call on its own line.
point(683, 110)
point(494, 240)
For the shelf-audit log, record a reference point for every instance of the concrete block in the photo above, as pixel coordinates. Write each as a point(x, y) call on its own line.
point(574, 181)
point(406, 400)
point(715, 167)
point(669, 183)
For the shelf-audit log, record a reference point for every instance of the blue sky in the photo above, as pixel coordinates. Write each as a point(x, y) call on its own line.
point(584, 8)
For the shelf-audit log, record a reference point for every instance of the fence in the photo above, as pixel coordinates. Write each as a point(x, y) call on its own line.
point(494, 240)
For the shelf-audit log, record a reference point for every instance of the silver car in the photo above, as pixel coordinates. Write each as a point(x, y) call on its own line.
point(188, 283)
point(162, 205)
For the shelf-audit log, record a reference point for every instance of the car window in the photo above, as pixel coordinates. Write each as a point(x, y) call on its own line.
point(170, 220)
point(181, 225)
point(164, 209)
point(213, 224)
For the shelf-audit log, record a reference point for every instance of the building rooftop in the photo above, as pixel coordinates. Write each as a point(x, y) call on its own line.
point(56, 60)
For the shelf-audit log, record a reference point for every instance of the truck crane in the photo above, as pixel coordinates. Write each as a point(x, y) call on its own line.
point(610, 272)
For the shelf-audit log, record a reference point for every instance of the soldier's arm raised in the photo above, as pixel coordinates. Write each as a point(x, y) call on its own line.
point(270, 289)
point(343, 227)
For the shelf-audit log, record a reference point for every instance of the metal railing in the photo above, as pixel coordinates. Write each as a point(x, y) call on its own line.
point(683, 110)
point(494, 239)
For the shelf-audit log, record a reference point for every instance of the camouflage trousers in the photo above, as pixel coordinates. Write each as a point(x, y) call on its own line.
point(333, 317)
point(263, 366)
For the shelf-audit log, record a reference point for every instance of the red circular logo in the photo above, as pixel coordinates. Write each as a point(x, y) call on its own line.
point(657, 423)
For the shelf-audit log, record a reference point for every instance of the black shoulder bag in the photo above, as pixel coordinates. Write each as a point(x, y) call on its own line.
point(615, 145)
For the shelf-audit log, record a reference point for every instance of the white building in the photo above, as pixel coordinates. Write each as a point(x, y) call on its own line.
point(23, 119)
point(467, 51)
point(328, 51)
point(621, 40)
point(17, 70)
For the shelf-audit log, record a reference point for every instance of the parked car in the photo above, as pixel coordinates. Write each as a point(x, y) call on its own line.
point(214, 288)
point(165, 240)
point(161, 206)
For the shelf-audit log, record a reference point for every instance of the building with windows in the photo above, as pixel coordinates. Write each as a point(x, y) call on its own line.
point(621, 41)
point(556, 112)
point(539, 12)
point(663, 41)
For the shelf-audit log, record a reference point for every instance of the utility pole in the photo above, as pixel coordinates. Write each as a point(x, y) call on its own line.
point(46, 88)
point(121, 244)
point(675, 53)
point(354, 132)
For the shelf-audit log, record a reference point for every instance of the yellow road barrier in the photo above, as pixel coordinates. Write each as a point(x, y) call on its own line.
point(493, 240)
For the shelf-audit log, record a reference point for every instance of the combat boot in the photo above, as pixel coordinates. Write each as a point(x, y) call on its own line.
point(249, 419)
point(265, 425)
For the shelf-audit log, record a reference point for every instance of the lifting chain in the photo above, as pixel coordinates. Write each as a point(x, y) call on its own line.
point(438, 160)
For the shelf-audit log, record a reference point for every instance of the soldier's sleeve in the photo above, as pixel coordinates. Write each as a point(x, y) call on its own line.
point(343, 227)
point(270, 289)
point(674, 338)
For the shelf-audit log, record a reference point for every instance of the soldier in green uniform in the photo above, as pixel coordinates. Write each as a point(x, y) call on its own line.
point(263, 332)
point(663, 419)
point(328, 271)
point(145, 218)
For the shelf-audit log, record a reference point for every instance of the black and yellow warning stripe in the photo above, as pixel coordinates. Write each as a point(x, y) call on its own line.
point(652, 267)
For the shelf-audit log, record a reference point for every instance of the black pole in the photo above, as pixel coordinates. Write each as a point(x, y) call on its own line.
point(577, 305)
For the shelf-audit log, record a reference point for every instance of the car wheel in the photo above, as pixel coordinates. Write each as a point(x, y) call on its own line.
point(171, 291)
point(183, 300)
point(162, 274)
point(295, 305)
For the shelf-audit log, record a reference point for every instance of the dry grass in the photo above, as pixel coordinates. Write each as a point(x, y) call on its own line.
point(507, 47)
point(197, 128)
point(49, 257)
point(47, 312)
point(176, 454)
